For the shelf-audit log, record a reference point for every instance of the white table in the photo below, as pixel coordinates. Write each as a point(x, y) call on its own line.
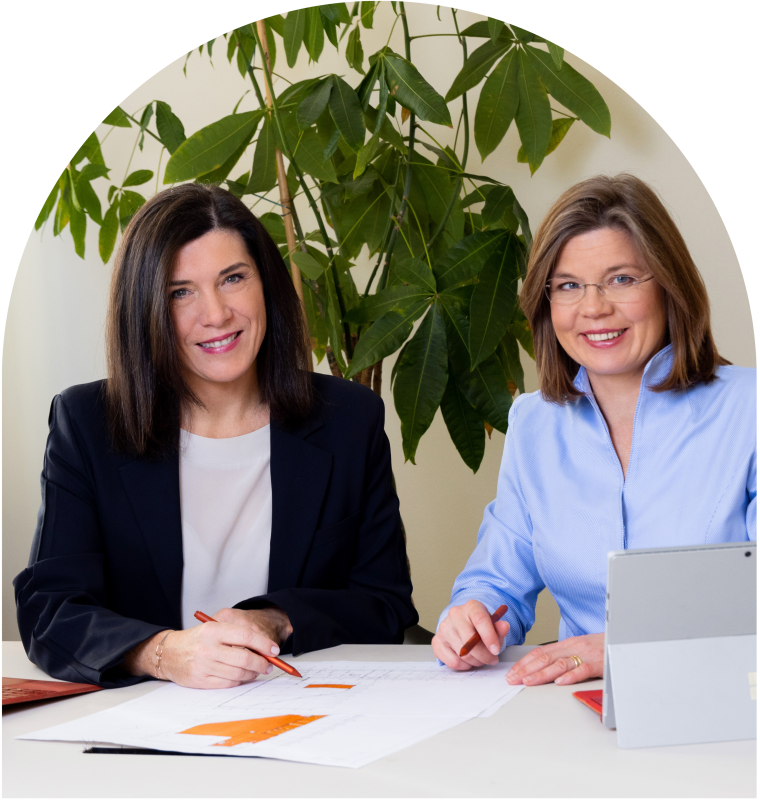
point(542, 743)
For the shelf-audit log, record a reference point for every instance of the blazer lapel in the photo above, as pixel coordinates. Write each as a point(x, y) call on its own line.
point(300, 476)
point(153, 491)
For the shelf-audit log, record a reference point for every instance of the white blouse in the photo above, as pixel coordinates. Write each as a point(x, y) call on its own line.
point(226, 504)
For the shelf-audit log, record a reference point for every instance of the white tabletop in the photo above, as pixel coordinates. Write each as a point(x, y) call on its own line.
point(542, 743)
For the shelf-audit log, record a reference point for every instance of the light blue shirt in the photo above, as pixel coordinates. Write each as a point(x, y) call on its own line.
point(562, 502)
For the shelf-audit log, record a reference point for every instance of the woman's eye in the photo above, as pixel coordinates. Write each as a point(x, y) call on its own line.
point(233, 279)
point(568, 286)
point(179, 294)
point(622, 280)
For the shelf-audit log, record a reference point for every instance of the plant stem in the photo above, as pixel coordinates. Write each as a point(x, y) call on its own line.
point(465, 152)
point(312, 202)
point(137, 122)
point(408, 178)
point(249, 68)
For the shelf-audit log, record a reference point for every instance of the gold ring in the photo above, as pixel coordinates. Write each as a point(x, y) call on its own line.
point(578, 661)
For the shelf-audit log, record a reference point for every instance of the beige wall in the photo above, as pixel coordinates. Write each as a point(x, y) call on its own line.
point(55, 321)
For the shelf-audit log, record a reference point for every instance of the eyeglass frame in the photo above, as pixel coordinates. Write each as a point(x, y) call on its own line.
point(600, 288)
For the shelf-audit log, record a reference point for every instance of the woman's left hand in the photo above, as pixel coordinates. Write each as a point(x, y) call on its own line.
point(271, 622)
point(553, 662)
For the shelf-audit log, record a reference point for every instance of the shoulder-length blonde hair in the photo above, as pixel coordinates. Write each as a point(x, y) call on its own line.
point(622, 203)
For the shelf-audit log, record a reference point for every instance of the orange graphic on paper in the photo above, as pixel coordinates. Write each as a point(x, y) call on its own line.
point(330, 686)
point(251, 730)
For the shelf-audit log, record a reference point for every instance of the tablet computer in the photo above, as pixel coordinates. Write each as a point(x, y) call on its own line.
point(680, 644)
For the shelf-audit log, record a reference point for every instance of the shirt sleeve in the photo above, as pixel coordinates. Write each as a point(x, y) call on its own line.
point(752, 504)
point(502, 569)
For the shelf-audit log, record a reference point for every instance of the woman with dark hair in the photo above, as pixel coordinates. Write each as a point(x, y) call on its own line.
point(641, 435)
point(210, 472)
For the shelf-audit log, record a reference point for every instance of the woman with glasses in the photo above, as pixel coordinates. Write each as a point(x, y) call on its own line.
point(641, 435)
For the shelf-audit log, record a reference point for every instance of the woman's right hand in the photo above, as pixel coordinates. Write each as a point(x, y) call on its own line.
point(459, 626)
point(216, 655)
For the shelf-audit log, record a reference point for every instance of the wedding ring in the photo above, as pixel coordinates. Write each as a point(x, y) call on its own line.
point(578, 661)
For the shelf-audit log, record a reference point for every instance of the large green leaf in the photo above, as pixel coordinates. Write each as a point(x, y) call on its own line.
point(317, 325)
point(47, 207)
point(486, 386)
point(364, 222)
point(347, 113)
point(464, 423)
point(435, 184)
point(497, 104)
point(293, 30)
point(171, 132)
point(355, 51)
point(210, 147)
point(264, 170)
point(314, 34)
point(108, 231)
point(464, 260)
point(493, 301)
point(421, 380)
point(476, 67)
point(415, 272)
point(313, 104)
point(129, 203)
point(367, 13)
point(308, 265)
point(508, 354)
point(397, 298)
point(222, 172)
point(78, 229)
point(119, 118)
point(495, 27)
point(88, 199)
point(520, 329)
point(412, 91)
point(309, 155)
point(572, 90)
point(138, 177)
point(387, 131)
point(384, 337)
point(560, 127)
point(498, 200)
point(534, 114)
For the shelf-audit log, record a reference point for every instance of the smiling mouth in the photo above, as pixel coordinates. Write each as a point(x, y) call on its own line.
point(219, 342)
point(603, 337)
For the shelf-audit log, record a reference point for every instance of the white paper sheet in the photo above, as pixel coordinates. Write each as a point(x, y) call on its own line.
point(388, 706)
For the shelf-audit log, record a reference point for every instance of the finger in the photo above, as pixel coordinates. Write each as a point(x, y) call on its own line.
point(551, 672)
point(236, 674)
point(479, 655)
point(481, 620)
point(446, 653)
point(474, 618)
point(538, 658)
point(243, 658)
point(582, 673)
point(242, 636)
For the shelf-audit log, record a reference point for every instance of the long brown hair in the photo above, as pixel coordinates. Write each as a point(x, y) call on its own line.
point(623, 203)
point(146, 390)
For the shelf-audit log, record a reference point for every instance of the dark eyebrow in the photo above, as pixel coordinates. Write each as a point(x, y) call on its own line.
point(616, 268)
point(224, 272)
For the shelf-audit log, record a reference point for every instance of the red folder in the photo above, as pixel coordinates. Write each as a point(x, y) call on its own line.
point(21, 690)
point(591, 699)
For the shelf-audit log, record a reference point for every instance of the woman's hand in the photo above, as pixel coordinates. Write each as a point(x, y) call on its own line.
point(216, 655)
point(459, 626)
point(271, 622)
point(553, 662)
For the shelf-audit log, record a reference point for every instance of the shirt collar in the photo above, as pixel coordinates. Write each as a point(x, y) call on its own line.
point(657, 369)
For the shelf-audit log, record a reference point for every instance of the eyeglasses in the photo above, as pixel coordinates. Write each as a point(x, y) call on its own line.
point(617, 289)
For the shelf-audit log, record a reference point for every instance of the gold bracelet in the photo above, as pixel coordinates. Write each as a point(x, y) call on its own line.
point(158, 655)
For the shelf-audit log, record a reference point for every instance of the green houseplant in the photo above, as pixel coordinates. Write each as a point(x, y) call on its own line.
point(448, 243)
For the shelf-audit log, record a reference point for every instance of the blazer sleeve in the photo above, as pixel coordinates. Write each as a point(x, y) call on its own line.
point(61, 597)
point(376, 607)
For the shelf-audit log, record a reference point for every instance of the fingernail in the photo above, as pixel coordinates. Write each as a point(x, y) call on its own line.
point(495, 649)
point(561, 680)
point(269, 669)
point(275, 650)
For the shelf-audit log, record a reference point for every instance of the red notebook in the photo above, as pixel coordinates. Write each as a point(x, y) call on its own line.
point(591, 699)
point(21, 690)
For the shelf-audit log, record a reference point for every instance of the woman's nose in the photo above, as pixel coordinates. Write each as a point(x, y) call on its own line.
point(214, 311)
point(594, 302)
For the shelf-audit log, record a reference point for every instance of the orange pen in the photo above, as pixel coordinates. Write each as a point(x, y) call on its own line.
point(278, 662)
point(475, 638)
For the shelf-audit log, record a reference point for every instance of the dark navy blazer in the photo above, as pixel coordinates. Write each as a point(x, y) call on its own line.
point(105, 571)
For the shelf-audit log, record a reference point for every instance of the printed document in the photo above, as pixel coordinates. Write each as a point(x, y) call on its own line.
point(346, 713)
